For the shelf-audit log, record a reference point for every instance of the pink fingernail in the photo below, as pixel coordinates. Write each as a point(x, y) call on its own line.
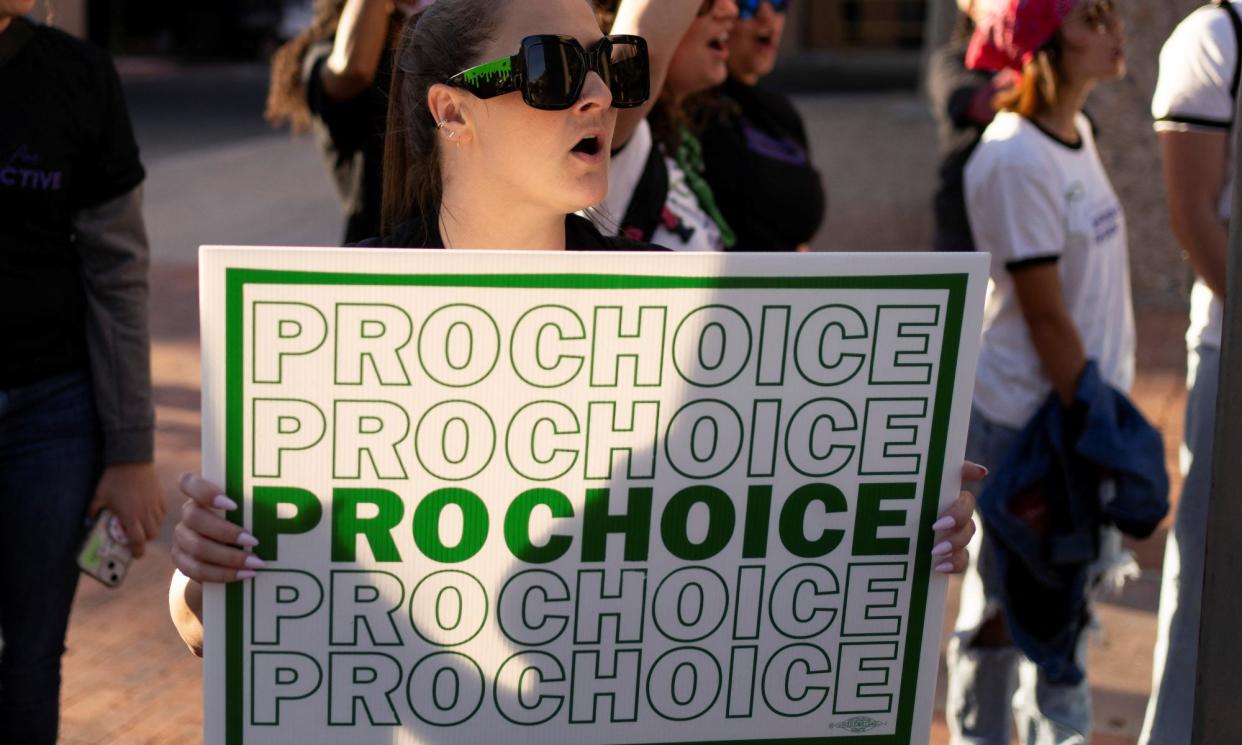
point(245, 574)
point(254, 562)
point(224, 503)
point(943, 548)
point(245, 540)
point(945, 523)
point(945, 568)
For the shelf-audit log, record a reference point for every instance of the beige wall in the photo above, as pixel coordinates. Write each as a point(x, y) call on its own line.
point(1129, 149)
point(817, 25)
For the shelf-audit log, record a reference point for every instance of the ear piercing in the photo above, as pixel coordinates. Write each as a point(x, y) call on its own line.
point(442, 124)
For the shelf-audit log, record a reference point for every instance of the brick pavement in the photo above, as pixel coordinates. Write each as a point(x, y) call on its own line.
point(130, 681)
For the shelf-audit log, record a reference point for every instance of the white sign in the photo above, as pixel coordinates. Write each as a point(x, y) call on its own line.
point(582, 498)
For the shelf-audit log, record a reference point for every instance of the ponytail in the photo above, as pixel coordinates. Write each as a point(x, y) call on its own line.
point(401, 181)
point(1040, 86)
point(286, 95)
point(440, 42)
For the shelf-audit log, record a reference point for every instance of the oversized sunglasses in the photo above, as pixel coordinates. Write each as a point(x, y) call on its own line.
point(747, 9)
point(551, 71)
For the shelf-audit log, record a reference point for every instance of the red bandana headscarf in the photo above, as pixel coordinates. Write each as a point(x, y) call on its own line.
point(1009, 33)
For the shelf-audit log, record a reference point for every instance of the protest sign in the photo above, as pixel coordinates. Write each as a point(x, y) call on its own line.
point(582, 498)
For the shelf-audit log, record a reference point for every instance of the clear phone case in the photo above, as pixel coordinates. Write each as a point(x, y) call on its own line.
point(105, 553)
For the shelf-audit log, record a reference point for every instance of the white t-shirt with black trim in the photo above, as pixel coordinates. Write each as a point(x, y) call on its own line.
point(1194, 94)
point(1032, 198)
point(684, 225)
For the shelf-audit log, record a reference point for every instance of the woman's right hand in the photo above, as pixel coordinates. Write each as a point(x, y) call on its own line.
point(207, 547)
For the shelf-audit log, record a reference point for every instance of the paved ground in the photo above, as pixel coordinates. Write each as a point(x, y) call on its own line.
point(217, 175)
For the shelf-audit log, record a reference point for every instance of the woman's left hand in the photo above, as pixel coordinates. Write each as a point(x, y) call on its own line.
point(956, 527)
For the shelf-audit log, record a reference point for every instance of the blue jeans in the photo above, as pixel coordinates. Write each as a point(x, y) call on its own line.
point(50, 463)
point(988, 687)
point(1171, 708)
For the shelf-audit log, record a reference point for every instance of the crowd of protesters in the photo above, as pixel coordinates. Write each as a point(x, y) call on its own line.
point(522, 167)
point(660, 135)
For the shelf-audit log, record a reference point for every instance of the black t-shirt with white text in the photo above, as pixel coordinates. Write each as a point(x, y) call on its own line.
point(66, 144)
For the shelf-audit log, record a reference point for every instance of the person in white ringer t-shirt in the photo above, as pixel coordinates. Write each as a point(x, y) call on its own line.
point(1194, 109)
point(1040, 202)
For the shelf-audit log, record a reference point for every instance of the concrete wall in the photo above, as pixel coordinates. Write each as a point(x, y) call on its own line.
point(1129, 148)
point(878, 157)
point(941, 18)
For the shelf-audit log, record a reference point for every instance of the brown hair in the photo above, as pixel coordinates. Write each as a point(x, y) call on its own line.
point(697, 113)
point(1039, 89)
point(435, 45)
point(605, 13)
point(286, 96)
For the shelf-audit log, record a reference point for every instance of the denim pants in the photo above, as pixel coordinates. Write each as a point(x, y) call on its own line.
point(1171, 707)
point(50, 462)
point(990, 687)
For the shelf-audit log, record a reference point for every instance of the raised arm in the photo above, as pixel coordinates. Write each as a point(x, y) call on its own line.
point(361, 37)
point(662, 23)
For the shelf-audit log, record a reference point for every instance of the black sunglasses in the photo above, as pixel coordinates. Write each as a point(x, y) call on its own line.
point(551, 71)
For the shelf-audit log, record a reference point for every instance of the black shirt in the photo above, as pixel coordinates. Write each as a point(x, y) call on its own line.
point(351, 135)
point(759, 167)
point(580, 235)
point(65, 144)
point(952, 89)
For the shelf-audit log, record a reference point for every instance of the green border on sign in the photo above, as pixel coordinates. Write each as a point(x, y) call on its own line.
point(236, 279)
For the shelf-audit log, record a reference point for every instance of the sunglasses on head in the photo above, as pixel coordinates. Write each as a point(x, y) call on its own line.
point(551, 71)
point(747, 9)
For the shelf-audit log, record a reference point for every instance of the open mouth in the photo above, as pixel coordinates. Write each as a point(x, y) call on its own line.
point(588, 146)
point(766, 39)
point(720, 43)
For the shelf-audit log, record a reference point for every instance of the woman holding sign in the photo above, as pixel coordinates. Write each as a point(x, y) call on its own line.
point(1041, 203)
point(503, 162)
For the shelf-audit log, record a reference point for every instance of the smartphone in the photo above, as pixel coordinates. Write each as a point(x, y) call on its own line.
point(105, 553)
